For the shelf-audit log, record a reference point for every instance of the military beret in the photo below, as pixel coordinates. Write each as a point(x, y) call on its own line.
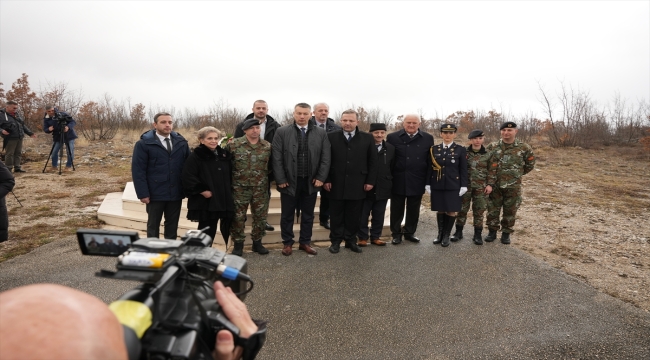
point(508, 124)
point(250, 122)
point(448, 128)
point(475, 133)
point(377, 126)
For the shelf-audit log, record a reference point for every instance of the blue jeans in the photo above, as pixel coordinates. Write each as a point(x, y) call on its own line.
point(55, 154)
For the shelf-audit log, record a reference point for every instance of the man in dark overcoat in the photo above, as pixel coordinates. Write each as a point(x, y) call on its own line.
point(409, 177)
point(353, 172)
point(377, 198)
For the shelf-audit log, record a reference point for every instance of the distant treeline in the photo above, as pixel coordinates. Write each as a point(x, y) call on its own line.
point(571, 117)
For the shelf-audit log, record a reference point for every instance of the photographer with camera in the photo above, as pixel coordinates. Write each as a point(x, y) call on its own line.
point(83, 327)
point(53, 122)
point(13, 132)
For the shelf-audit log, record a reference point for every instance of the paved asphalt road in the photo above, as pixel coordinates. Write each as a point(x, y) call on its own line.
point(412, 301)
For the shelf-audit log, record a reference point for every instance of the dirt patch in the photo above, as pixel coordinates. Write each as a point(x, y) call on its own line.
point(586, 212)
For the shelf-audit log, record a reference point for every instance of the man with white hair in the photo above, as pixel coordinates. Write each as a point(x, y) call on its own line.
point(321, 119)
point(409, 177)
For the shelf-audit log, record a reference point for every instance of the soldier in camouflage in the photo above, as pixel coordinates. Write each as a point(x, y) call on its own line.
point(477, 163)
point(250, 157)
point(510, 160)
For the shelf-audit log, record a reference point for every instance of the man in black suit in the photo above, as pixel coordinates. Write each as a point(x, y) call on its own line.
point(409, 177)
point(353, 172)
point(377, 198)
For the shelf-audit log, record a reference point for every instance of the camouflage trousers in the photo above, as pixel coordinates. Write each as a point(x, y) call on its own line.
point(478, 200)
point(509, 199)
point(258, 198)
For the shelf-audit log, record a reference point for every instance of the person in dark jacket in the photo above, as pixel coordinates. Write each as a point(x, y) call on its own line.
point(7, 183)
point(13, 132)
point(301, 162)
point(52, 122)
point(352, 175)
point(156, 168)
point(268, 126)
point(320, 119)
point(448, 181)
point(409, 177)
point(207, 182)
point(377, 198)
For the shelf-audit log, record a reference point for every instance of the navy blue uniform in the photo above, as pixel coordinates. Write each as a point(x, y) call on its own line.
point(446, 182)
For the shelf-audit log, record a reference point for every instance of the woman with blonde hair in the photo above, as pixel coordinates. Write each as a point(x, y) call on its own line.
point(207, 184)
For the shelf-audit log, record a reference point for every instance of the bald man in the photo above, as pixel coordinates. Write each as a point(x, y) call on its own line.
point(46, 321)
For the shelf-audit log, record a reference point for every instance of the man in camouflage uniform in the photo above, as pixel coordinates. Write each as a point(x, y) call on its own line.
point(477, 162)
point(250, 185)
point(510, 159)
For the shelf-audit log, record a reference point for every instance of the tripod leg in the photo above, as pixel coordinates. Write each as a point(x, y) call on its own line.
point(49, 156)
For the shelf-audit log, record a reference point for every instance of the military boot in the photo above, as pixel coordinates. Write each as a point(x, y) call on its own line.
point(441, 225)
point(238, 249)
point(491, 236)
point(505, 238)
point(458, 235)
point(449, 225)
point(478, 238)
point(259, 248)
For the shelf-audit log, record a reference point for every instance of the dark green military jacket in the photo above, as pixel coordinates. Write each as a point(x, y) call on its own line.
point(250, 162)
point(477, 166)
point(509, 163)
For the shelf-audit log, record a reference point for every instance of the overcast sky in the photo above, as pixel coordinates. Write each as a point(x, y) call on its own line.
point(433, 56)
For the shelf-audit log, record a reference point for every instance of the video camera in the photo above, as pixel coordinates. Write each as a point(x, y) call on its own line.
point(173, 314)
point(62, 118)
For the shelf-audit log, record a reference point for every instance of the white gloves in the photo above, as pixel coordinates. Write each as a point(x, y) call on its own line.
point(428, 189)
point(463, 190)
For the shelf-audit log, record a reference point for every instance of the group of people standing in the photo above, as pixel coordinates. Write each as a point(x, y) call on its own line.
point(355, 172)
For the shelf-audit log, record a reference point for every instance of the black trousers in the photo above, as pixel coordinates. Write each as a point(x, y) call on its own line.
point(212, 231)
point(156, 210)
point(397, 203)
point(344, 220)
point(4, 220)
point(306, 203)
point(324, 206)
point(378, 210)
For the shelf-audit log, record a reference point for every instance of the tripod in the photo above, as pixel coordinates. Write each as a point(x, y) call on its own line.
point(62, 125)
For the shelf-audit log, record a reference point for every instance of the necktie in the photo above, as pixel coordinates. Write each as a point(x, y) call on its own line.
point(303, 132)
point(378, 147)
point(349, 136)
point(411, 135)
point(169, 145)
point(322, 126)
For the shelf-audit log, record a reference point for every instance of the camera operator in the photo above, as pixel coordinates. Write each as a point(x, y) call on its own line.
point(53, 121)
point(13, 132)
point(47, 321)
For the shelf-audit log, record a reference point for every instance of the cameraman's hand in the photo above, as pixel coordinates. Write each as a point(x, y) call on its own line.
point(66, 129)
point(236, 312)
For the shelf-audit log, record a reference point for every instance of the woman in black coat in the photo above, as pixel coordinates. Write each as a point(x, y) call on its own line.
point(448, 181)
point(208, 186)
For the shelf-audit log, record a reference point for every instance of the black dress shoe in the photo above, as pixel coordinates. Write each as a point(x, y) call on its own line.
point(325, 224)
point(397, 240)
point(19, 170)
point(354, 247)
point(334, 248)
point(268, 227)
point(411, 238)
